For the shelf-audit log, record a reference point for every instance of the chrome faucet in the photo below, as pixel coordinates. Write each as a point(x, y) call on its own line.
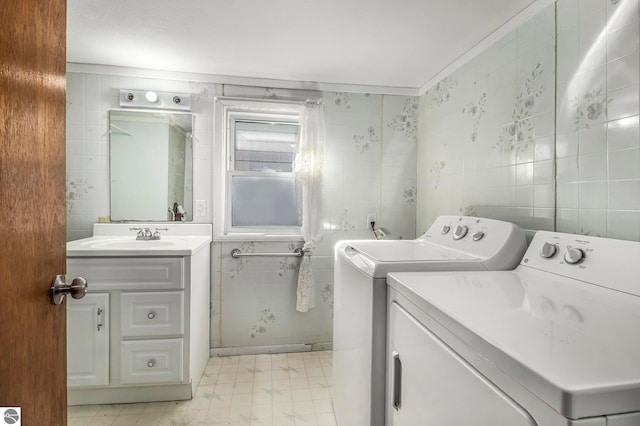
point(145, 234)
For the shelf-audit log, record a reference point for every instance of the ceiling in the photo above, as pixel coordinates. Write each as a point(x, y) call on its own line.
point(380, 43)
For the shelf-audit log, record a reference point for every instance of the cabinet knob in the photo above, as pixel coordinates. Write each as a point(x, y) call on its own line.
point(151, 363)
point(151, 315)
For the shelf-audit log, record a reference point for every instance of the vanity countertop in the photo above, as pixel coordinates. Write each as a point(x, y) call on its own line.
point(112, 240)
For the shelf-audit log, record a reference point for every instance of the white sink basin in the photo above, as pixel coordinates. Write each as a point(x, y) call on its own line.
point(128, 243)
point(129, 246)
point(136, 244)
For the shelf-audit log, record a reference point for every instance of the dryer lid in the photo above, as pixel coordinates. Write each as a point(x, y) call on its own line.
point(572, 344)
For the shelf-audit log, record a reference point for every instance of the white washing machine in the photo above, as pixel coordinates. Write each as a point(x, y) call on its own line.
point(360, 299)
point(554, 342)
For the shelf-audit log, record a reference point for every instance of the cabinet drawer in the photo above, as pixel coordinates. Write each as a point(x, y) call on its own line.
point(141, 273)
point(152, 314)
point(151, 361)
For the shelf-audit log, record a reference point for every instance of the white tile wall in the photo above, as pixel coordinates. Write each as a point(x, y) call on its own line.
point(599, 176)
point(581, 171)
point(487, 141)
point(90, 97)
point(370, 167)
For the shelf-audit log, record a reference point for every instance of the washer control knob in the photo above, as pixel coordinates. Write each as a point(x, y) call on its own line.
point(573, 255)
point(446, 229)
point(548, 250)
point(477, 236)
point(460, 232)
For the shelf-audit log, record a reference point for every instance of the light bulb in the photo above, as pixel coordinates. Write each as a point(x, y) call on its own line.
point(151, 96)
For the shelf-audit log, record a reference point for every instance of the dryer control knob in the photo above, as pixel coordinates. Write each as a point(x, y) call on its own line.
point(573, 255)
point(446, 229)
point(460, 232)
point(477, 236)
point(548, 250)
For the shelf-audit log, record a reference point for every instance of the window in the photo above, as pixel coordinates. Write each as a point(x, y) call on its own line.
point(259, 141)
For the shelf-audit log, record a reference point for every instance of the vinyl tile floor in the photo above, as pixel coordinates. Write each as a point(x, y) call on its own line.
point(267, 390)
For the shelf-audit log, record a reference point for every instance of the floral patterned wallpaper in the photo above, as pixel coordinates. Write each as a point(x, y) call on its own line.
point(486, 140)
point(369, 137)
point(515, 135)
point(519, 134)
point(371, 145)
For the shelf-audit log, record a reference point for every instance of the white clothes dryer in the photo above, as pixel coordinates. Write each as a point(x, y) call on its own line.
point(360, 299)
point(554, 342)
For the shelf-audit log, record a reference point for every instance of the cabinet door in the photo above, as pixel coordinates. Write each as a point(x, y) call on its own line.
point(430, 384)
point(88, 340)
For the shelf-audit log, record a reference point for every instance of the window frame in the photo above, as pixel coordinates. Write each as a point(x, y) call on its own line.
point(227, 111)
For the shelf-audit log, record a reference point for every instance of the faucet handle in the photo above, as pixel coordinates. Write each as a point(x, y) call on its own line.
point(140, 231)
point(156, 234)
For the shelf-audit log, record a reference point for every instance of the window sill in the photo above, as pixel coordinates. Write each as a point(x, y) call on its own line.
point(256, 237)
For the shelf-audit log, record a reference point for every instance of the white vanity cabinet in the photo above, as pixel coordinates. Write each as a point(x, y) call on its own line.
point(156, 316)
point(88, 340)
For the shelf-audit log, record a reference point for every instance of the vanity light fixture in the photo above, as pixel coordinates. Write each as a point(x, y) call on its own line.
point(155, 100)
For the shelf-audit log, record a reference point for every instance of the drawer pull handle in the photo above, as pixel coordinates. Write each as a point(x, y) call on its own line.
point(99, 315)
point(151, 315)
point(151, 363)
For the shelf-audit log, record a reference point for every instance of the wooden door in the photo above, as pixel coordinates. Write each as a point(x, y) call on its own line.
point(32, 208)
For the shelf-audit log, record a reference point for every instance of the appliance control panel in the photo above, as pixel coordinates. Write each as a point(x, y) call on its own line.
point(477, 236)
point(603, 261)
point(456, 228)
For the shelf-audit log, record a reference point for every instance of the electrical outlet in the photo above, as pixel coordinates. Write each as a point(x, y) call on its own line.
point(201, 208)
point(371, 217)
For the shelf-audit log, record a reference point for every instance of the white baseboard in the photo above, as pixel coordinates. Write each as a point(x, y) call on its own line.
point(322, 346)
point(275, 349)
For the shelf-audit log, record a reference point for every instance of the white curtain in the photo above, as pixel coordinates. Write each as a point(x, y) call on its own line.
point(308, 166)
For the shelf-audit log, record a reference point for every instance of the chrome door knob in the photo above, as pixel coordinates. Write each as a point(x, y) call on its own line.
point(59, 289)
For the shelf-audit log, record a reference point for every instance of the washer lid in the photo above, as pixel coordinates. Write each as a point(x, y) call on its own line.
point(378, 258)
point(572, 344)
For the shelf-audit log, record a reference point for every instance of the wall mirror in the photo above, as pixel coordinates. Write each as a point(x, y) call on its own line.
point(151, 165)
